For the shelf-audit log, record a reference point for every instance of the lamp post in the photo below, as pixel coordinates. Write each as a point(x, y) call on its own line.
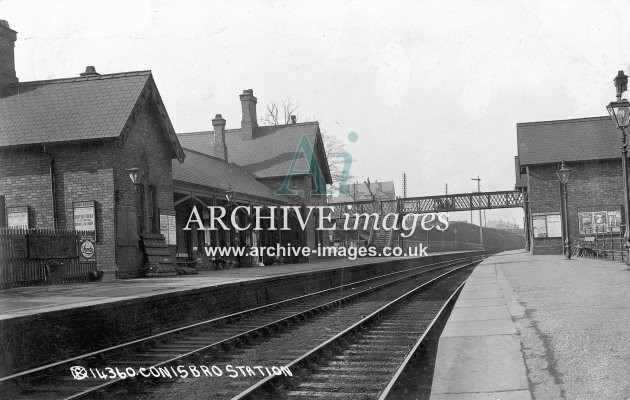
point(620, 113)
point(563, 176)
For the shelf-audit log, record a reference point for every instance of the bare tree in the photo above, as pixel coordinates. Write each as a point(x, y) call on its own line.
point(336, 154)
point(279, 113)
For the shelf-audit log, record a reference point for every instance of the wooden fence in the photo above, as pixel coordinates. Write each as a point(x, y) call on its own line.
point(44, 256)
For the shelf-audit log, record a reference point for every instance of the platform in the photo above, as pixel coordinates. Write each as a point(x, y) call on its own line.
point(538, 327)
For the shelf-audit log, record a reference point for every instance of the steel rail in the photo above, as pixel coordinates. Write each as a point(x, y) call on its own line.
point(429, 329)
point(217, 321)
point(254, 391)
point(268, 325)
point(244, 334)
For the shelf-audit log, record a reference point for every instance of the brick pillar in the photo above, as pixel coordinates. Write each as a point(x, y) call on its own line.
point(249, 121)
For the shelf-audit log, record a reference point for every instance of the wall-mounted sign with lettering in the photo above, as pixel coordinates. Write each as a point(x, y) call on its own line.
point(167, 229)
point(591, 222)
point(546, 225)
point(85, 216)
point(17, 217)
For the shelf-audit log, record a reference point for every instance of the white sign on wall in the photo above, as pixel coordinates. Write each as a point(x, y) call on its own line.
point(85, 216)
point(17, 217)
point(168, 229)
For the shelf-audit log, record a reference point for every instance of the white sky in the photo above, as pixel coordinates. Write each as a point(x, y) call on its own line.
point(434, 89)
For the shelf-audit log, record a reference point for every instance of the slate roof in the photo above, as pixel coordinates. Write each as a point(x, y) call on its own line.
point(72, 109)
point(546, 142)
point(270, 151)
point(202, 169)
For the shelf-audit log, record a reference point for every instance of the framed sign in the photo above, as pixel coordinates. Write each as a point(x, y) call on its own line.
point(539, 226)
point(168, 229)
point(554, 225)
point(546, 225)
point(84, 213)
point(591, 222)
point(17, 217)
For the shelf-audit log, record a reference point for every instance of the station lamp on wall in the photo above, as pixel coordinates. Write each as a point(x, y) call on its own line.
point(134, 174)
point(229, 194)
point(620, 113)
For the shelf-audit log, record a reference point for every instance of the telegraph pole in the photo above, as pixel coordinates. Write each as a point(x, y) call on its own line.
point(404, 184)
point(480, 226)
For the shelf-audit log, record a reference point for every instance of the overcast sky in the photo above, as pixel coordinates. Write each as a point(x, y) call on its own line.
point(433, 89)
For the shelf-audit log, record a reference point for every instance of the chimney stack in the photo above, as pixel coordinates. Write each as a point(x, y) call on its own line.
point(220, 148)
point(7, 55)
point(249, 121)
point(294, 119)
point(90, 71)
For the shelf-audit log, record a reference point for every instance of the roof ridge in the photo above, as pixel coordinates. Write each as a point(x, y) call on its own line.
point(82, 78)
point(563, 121)
point(220, 159)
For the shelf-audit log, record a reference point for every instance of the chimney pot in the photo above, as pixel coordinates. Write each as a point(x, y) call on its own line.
point(293, 119)
point(90, 71)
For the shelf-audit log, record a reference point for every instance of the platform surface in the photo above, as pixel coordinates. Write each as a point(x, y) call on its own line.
point(25, 301)
point(538, 327)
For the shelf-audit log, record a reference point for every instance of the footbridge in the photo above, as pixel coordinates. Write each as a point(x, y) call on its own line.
point(439, 203)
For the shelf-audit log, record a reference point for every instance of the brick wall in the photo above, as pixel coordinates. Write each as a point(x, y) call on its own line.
point(82, 172)
point(593, 186)
point(146, 147)
point(25, 181)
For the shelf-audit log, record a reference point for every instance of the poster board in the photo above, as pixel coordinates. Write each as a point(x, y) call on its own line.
point(590, 222)
point(539, 226)
point(84, 216)
point(554, 225)
point(17, 217)
point(168, 229)
point(547, 225)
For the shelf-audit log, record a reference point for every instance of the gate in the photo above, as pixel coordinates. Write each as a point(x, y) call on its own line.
point(46, 256)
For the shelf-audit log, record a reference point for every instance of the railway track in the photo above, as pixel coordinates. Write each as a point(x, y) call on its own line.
point(367, 359)
point(197, 342)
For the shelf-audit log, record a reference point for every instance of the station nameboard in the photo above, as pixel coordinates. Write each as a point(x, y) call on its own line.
point(17, 217)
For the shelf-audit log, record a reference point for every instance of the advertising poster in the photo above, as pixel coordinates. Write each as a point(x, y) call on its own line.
point(554, 225)
point(85, 216)
point(539, 225)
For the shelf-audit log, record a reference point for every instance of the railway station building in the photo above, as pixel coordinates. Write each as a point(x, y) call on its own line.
point(590, 148)
point(255, 162)
point(67, 144)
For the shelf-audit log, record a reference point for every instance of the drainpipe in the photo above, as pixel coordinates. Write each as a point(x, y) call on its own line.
point(52, 186)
